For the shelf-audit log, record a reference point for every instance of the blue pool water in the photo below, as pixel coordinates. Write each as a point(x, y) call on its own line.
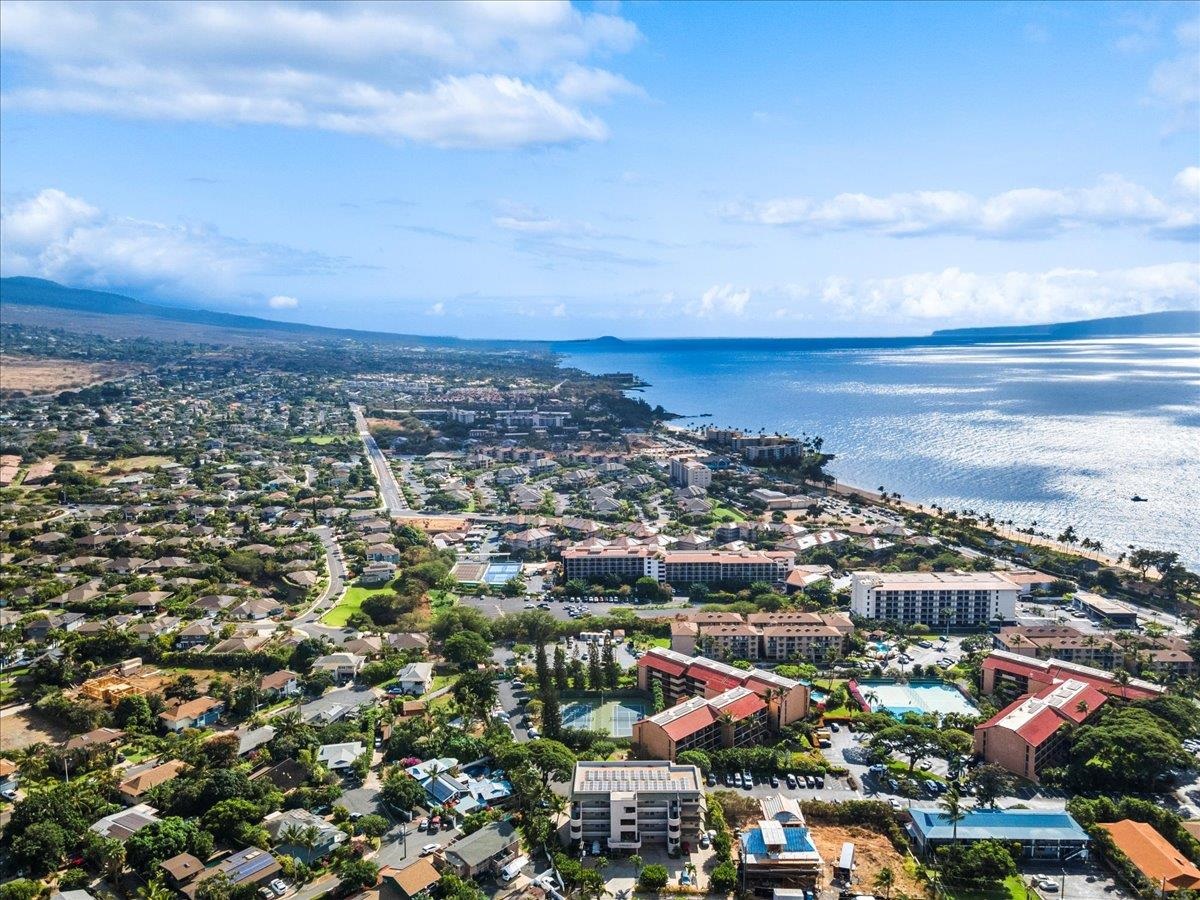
point(915, 696)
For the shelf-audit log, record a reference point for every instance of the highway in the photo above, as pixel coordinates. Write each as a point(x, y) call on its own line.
point(393, 497)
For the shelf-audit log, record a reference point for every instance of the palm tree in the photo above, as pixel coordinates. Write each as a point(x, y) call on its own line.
point(637, 862)
point(155, 889)
point(953, 808)
point(885, 880)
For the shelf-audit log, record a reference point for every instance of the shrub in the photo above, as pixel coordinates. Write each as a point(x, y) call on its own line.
point(653, 878)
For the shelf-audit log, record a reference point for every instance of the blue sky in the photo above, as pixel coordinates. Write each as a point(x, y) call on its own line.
point(650, 169)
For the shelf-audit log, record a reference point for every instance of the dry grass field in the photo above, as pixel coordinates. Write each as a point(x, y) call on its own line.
point(22, 375)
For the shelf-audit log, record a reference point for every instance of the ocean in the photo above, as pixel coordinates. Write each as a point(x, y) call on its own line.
point(1057, 433)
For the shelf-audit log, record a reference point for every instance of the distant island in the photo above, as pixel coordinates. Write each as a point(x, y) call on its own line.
point(1176, 321)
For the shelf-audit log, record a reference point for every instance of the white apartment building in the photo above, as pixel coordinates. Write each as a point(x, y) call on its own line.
point(677, 567)
point(687, 472)
point(936, 599)
point(630, 804)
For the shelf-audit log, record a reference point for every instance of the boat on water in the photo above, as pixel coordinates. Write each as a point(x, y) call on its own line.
point(1139, 499)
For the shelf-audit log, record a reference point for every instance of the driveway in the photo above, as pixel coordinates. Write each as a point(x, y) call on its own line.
point(351, 697)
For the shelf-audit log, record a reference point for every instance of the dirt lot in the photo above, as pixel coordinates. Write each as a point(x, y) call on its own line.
point(872, 852)
point(23, 728)
point(46, 376)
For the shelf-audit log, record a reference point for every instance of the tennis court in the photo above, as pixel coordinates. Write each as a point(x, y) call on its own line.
point(614, 717)
point(502, 572)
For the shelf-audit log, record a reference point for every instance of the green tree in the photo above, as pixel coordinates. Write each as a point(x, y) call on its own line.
point(373, 825)
point(41, 847)
point(885, 880)
point(560, 668)
point(724, 878)
point(357, 873)
point(653, 878)
point(912, 742)
point(20, 889)
point(697, 758)
point(467, 649)
point(553, 760)
point(990, 782)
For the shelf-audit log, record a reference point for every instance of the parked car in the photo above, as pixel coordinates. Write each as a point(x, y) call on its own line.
point(729, 782)
point(711, 780)
point(791, 781)
point(747, 780)
point(428, 849)
point(279, 886)
point(774, 781)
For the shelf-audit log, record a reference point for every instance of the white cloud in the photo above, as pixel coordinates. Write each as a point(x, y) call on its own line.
point(282, 301)
point(581, 84)
point(953, 295)
point(438, 309)
point(1173, 83)
point(54, 235)
point(559, 311)
point(1022, 213)
point(449, 74)
point(720, 300)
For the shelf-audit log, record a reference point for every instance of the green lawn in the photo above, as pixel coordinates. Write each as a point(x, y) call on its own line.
point(900, 767)
point(350, 603)
point(725, 514)
point(440, 600)
point(319, 439)
point(1012, 889)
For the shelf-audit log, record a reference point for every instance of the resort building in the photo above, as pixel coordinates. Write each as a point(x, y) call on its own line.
point(1010, 676)
point(1033, 733)
point(690, 473)
point(684, 677)
point(778, 637)
point(1041, 834)
point(634, 804)
point(1112, 613)
point(1059, 642)
point(779, 851)
point(680, 567)
point(936, 599)
point(735, 718)
point(1154, 856)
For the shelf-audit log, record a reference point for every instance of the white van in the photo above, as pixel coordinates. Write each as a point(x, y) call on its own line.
point(513, 869)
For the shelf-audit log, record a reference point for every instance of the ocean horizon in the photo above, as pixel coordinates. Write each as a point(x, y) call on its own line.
point(1055, 433)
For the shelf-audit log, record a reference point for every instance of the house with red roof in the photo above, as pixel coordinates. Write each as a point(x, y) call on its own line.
point(1031, 734)
point(735, 718)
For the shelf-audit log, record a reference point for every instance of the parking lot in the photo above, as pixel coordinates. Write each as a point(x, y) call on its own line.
point(494, 607)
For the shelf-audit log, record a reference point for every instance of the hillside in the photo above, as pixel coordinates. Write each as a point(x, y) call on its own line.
point(33, 301)
point(1178, 321)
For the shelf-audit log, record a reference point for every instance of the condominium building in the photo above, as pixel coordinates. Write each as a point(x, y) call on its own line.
point(1028, 736)
point(1058, 642)
point(682, 567)
point(629, 805)
point(734, 718)
point(687, 472)
point(683, 677)
point(936, 599)
point(779, 637)
point(1008, 675)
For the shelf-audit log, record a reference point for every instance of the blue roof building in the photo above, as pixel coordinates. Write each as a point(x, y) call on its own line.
point(1042, 834)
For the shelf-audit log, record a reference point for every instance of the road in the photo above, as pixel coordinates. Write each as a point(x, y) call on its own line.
point(393, 497)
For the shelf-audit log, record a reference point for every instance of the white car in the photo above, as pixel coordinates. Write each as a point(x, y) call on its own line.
point(279, 886)
point(430, 848)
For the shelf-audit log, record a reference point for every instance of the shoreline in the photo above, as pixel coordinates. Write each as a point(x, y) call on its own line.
point(845, 489)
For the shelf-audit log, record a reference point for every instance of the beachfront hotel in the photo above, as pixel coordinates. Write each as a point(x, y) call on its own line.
point(629, 805)
point(936, 599)
point(684, 677)
point(679, 567)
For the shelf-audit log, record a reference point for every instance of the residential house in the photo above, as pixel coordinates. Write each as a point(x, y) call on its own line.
point(283, 683)
point(415, 679)
point(340, 756)
point(133, 788)
point(485, 852)
point(342, 666)
point(282, 826)
point(125, 823)
point(196, 713)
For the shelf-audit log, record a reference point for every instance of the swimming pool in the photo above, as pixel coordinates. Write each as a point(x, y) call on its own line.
point(897, 698)
point(501, 572)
